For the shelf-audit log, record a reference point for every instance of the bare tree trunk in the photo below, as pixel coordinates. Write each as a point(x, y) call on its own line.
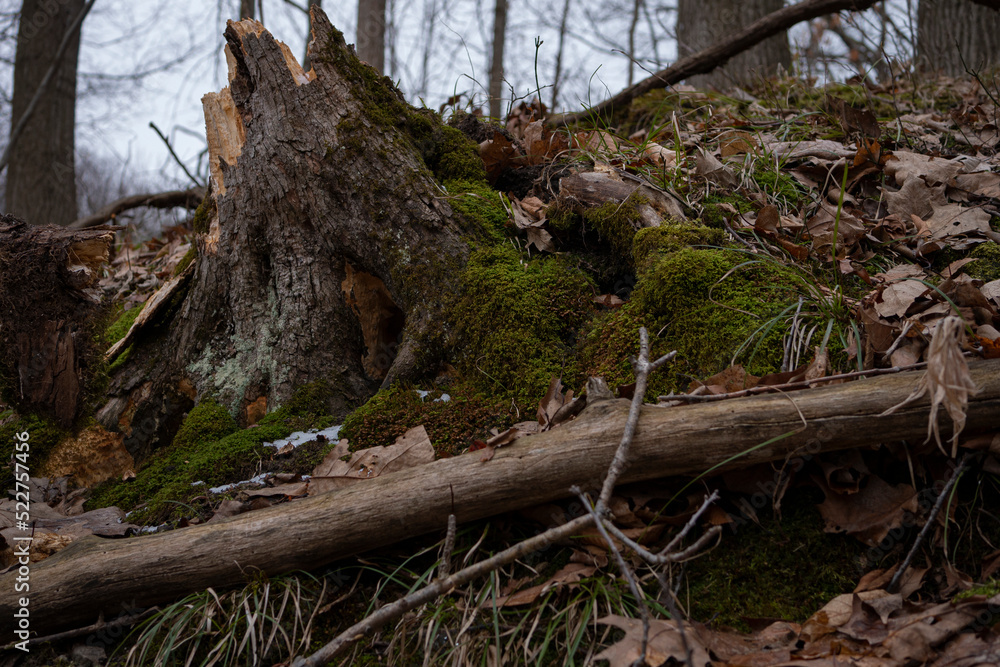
point(702, 23)
point(371, 33)
point(636, 9)
point(496, 60)
point(541, 468)
point(557, 76)
point(247, 8)
point(325, 248)
point(41, 177)
point(956, 35)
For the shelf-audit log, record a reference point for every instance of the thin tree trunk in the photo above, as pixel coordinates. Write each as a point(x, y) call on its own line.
point(956, 36)
point(703, 23)
point(496, 60)
point(371, 33)
point(247, 9)
point(557, 76)
point(100, 575)
point(636, 8)
point(41, 176)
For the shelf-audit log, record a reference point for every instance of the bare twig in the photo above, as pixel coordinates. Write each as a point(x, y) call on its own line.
point(440, 587)
point(101, 625)
point(800, 384)
point(642, 367)
point(174, 155)
point(626, 571)
point(963, 465)
point(56, 61)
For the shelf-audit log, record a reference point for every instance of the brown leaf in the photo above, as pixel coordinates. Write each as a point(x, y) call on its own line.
point(410, 449)
point(871, 513)
point(664, 643)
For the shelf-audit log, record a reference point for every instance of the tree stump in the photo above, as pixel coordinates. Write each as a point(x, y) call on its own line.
point(48, 310)
point(325, 245)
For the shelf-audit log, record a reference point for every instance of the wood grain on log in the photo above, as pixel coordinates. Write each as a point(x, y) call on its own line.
point(99, 575)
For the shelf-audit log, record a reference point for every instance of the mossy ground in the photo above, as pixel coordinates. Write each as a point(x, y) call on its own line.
point(704, 303)
point(775, 569)
point(451, 425)
point(210, 448)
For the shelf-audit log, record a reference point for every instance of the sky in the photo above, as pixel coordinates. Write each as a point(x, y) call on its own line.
point(150, 61)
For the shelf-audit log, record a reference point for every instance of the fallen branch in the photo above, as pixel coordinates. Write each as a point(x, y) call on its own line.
point(175, 198)
point(94, 574)
point(715, 56)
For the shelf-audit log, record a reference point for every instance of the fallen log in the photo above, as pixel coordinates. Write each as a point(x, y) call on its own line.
point(173, 199)
point(99, 575)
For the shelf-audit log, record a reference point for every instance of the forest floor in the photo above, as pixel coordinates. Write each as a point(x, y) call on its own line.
point(788, 234)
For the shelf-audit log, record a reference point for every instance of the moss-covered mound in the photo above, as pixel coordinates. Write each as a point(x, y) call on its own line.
point(516, 322)
point(708, 304)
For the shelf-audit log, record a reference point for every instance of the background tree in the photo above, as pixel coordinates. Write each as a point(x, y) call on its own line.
point(702, 23)
point(496, 60)
point(950, 31)
point(371, 33)
point(41, 185)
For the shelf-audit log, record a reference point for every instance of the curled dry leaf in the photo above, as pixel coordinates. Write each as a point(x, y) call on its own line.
point(946, 379)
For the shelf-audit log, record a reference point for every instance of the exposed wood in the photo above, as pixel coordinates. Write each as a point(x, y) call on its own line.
point(96, 574)
point(715, 56)
point(174, 198)
point(47, 309)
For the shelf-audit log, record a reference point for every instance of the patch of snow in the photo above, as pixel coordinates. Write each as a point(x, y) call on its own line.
point(302, 437)
point(257, 479)
point(443, 398)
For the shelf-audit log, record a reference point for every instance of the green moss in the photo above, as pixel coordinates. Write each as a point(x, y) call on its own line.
point(616, 223)
point(780, 186)
point(714, 216)
point(451, 425)
point(448, 153)
point(757, 571)
point(189, 256)
point(480, 206)
point(208, 448)
point(987, 266)
point(516, 320)
point(698, 303)
point(561, 216)
point(117, 330)
point(208, 421)
point(43, 435)
point(652, 243)
point(203, 214)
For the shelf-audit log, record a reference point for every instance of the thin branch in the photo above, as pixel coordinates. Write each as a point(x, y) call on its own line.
point(799, 384)
point(715, 56)
point(53, 68)
point(642, 368)
point(964, 465)
point(176, 159)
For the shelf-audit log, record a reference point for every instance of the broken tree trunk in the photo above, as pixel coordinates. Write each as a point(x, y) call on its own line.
point(326, 242)
point(48, 306)
point(111, 576)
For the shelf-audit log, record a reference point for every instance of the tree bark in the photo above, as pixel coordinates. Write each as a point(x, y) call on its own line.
point(100, 575)
point(496, 59)
point(47, 313)
point(371, 33)
point(956, 36)
point(41, 177)
point(325, 251)
point(703, 23)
